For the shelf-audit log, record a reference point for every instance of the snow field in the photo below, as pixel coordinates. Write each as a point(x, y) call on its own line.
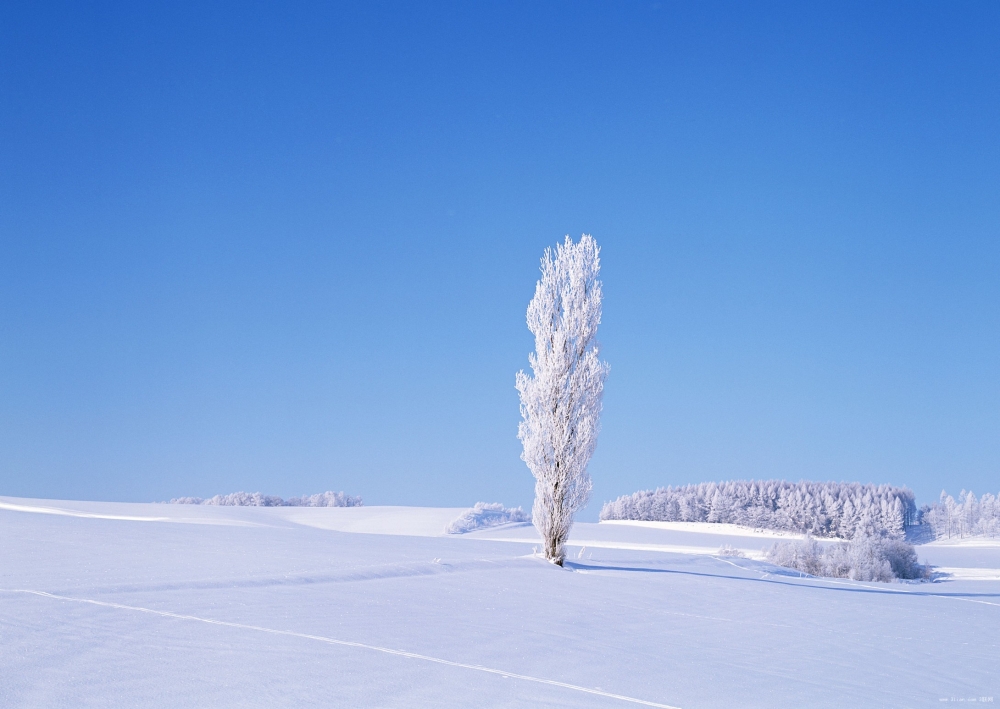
point(650, 626)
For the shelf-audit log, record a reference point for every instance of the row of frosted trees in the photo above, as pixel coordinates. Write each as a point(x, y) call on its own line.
point(256, 499)
point(967, 517)
point(824, 509)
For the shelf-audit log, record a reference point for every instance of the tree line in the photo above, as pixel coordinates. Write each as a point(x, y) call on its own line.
point(966, 517)
point(823, 509)
point(256, 499)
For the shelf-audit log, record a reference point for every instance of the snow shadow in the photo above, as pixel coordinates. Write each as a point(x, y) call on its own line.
point(824, 585)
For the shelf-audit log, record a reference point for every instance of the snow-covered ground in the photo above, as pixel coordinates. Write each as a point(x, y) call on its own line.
point(132, 605)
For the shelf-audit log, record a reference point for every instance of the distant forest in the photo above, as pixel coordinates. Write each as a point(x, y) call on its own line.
point(826, 509)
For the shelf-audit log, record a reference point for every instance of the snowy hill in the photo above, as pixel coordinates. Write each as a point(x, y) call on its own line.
point(132, 605)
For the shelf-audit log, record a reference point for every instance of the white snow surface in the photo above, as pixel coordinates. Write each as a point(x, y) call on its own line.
point(715, 528)
point(151, 605)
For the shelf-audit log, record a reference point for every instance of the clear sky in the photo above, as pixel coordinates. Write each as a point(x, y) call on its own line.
point(288, 247)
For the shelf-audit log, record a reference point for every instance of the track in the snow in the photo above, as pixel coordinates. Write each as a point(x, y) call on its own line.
point(349, 643)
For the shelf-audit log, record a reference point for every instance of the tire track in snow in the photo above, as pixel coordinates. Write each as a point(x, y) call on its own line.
point(348, 643)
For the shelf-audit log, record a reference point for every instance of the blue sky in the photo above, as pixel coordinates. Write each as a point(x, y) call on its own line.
point(289, 248)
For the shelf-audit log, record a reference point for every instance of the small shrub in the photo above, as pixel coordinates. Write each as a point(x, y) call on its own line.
point(803, 556)
point(727, 551)
point(484, 515)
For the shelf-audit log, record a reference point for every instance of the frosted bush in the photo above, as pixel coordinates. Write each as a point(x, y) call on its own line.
point(803, 556)
point(728, 551)
point(902, 557)
point(484, 515)
point(864, 558)
point(861, 559)
point(256, 499)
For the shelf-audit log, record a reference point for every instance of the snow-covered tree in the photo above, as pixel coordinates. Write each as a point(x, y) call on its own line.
point(967, 517)
point(561, 402)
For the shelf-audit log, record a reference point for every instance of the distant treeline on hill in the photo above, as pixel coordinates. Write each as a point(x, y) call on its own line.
point(822, 509)
point(255, 499)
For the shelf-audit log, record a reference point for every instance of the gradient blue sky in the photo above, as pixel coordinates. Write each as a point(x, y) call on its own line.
point(288, 247)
